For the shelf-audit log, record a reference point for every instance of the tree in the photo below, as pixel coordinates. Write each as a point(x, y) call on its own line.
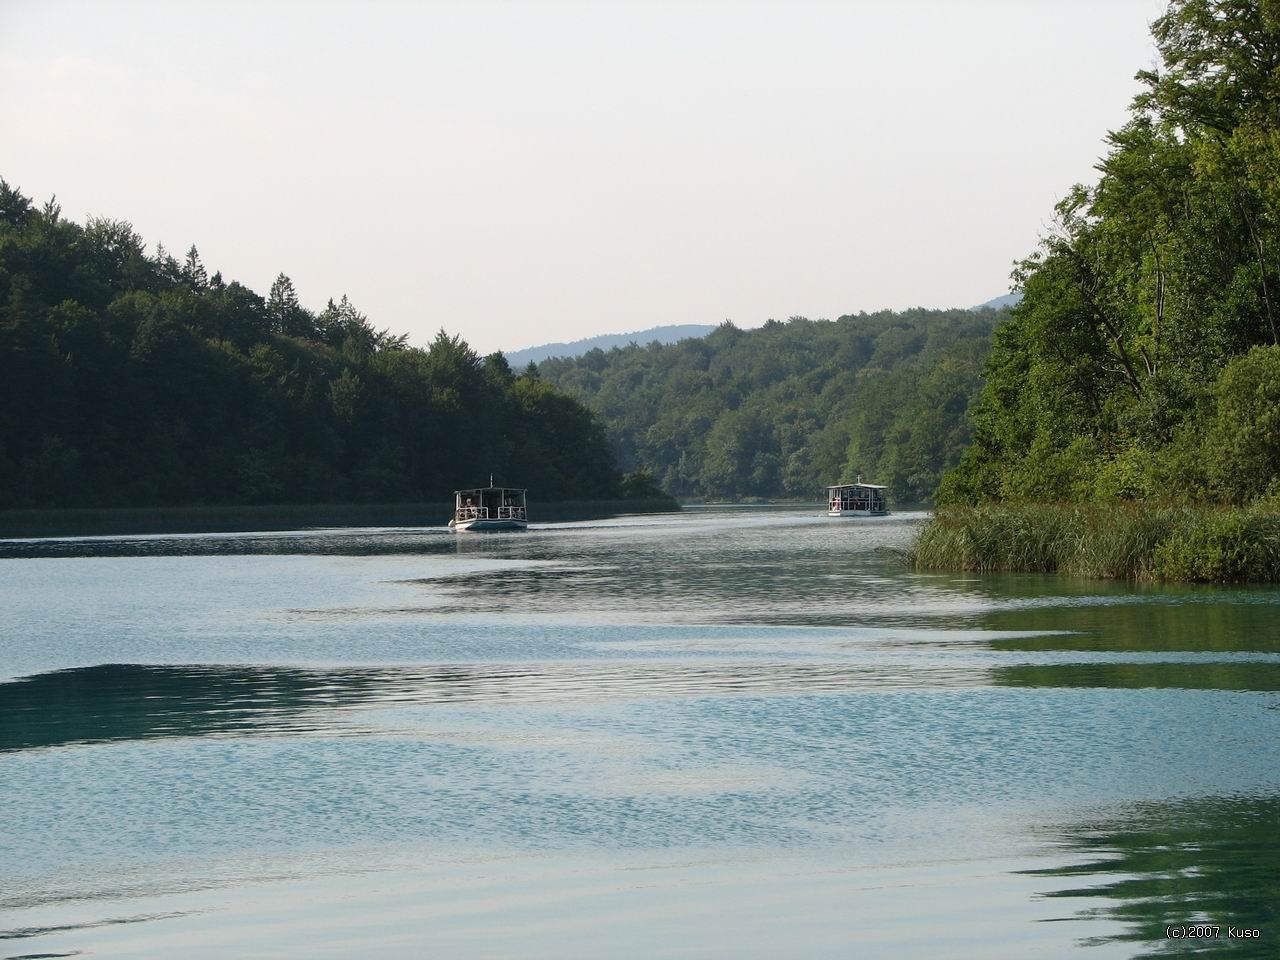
point(1245, 433)
point(284, 313)
point(128, 380)
point(193, 271)
point(1119, 374)
point(15, 209)
point(787, 409)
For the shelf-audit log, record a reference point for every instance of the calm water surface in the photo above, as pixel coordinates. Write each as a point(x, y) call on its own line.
point(726, 733)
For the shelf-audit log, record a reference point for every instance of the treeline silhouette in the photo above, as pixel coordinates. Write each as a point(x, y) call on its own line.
point(129, 379)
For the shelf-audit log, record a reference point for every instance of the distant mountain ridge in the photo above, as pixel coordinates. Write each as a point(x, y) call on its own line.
point(666, 334)
point(999, 303)
point(606, 341)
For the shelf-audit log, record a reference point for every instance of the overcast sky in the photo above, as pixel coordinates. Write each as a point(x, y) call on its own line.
point(522, 173)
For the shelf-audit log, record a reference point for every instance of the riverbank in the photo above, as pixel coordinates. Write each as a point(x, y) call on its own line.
point(88, 522)
point(1123, 541)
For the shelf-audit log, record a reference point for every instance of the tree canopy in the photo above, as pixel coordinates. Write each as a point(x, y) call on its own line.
point(1144, 359)
point(788, 408)
point(129, 379)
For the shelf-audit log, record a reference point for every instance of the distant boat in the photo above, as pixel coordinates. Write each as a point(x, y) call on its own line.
point(490, 508)
point(856, 500)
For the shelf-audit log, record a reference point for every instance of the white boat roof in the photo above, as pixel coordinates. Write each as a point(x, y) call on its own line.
point(496, 489)
point(850, 486)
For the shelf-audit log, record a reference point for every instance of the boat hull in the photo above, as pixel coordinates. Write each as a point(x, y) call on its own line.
point(479, 526)
point(857, 513)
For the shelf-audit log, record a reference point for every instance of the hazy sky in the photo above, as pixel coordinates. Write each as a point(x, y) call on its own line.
point(527, 172)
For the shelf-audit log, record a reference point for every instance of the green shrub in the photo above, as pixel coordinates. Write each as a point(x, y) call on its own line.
point(1222, 546)
point(1245, 436)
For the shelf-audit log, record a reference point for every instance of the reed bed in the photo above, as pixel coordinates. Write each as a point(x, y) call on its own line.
point(1123, 541)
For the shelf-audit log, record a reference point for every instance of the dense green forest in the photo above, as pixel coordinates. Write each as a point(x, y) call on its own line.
point(129, 379)
point(1144, 361)
point(788, 408)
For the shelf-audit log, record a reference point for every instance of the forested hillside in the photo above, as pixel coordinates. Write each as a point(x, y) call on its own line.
point(128, 379)
point(788, 408)
point(1144, 361)
point(606, 341)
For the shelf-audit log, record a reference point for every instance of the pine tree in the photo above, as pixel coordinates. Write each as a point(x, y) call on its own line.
point(282, 306)
point(193, 271)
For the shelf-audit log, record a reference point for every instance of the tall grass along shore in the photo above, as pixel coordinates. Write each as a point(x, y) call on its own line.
point(1111, 540)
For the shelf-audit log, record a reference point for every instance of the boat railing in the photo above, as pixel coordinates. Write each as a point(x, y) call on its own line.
point(490, 513)
point(859, 504)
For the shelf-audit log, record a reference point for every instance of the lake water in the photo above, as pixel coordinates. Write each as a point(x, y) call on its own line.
point(732, 732)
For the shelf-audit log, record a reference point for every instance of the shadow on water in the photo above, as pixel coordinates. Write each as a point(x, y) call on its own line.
point(1211, 860)
point(339, 543)
point(118, 702)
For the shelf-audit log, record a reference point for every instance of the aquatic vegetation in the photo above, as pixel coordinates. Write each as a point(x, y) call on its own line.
point(1112, 540)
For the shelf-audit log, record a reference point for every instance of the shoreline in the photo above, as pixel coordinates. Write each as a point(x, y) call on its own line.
point(244, 518)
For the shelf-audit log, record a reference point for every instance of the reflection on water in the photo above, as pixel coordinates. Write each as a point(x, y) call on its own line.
point(115, 702)
point(757, 683)
point(1210, 860)
point(1168, 618)
point(1211, 675)
point(142, 702)
point(23, 933)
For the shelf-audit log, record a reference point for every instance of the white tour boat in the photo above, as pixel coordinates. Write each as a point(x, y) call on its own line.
point(490, 508)
point(856, 500)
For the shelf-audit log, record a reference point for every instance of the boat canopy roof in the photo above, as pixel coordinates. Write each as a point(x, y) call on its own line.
point(492, 490)
point(857, 486)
